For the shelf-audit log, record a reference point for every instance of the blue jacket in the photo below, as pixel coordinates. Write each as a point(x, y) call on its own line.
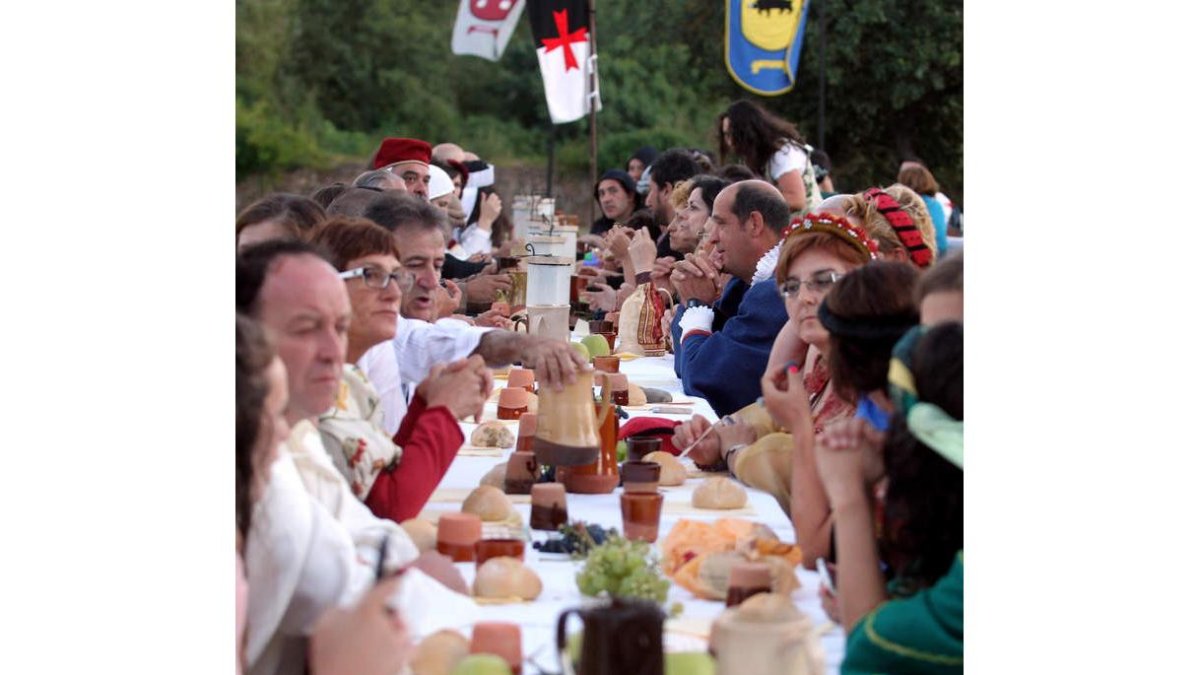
point(725, 367)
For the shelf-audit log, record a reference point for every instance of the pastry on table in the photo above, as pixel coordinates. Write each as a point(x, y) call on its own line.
point(719, 493)
point(493, 434)
point(505, 577)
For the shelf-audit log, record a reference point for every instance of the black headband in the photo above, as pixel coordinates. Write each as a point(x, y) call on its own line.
point(891, 326)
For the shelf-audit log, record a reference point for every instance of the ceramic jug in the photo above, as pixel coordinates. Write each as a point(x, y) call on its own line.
point(752, 648)
point(624, 637)
point(568, 421)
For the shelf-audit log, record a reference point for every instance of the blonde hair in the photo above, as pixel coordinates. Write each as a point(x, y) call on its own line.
point(679, 195)
point(877, 225)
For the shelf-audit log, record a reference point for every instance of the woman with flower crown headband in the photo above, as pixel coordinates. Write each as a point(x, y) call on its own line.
point(817, 251)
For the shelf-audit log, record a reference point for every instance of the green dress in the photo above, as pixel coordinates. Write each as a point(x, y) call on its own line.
point(920, 634)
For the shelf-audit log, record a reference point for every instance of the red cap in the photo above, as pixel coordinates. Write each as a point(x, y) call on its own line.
point(393, 150)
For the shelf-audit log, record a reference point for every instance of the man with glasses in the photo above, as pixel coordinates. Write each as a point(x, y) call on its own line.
point(723, 338)
point(408, 158)
point(419, 344)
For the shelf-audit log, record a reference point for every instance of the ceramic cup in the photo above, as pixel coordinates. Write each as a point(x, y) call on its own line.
point(747, 579)
point(640, 446)
point(457, 534)
point(486, 549)
point(501, 638)
point(521, 377)
point(640, 513)
point(641, 477)
point(548, 510)
point(526, 431)
point(514, 401)
point(620, 389)
point(607, 364)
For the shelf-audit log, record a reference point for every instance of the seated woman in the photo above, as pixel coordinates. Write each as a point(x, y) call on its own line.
point(915, 622)
point(865, 313)
point(818, 250)
point(277, 216)
point(393, 475)
point(301, 575)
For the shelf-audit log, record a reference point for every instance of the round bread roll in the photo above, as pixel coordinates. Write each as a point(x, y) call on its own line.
point(637, 396)
point(489, 503)
point(439, 653)
point(422, 532)
point(673, 472)
point(719, 493)
point(505, 577)
point(494, 434)
point(495, 477)
point(767, 608)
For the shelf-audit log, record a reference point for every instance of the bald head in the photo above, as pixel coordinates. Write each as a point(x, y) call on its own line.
point(444, 152)
point(751, 196)
point(841, 205)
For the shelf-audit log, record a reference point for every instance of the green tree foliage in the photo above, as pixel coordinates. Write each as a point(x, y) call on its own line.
point(322, 80)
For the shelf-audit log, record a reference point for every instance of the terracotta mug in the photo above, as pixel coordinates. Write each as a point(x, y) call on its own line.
point(520, 473)
point(568, 422)
point(525, 432)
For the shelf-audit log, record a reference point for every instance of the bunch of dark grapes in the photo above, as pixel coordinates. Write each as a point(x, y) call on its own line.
point(577, 539)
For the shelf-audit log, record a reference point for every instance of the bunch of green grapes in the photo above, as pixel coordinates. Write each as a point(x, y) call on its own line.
point(622, 568)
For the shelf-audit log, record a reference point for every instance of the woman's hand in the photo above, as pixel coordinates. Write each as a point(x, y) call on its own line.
point(840, 466)
point(642, 251)
point(858, 434)
point(603, 298)
point(369, 639)
point(786, 399)
point(617, 242)
point(788, 347)
point(738, 433)
point(462, 387)
point(489, 211)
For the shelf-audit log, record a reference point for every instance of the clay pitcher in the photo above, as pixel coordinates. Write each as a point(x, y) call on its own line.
point(622, 638)
point(568, 422)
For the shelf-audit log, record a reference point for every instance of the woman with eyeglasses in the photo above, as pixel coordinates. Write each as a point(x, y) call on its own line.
point(393, 475)
point(864, 314)
point(817, 251)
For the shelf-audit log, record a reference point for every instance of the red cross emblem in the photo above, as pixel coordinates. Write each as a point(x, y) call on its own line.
point(565, 40)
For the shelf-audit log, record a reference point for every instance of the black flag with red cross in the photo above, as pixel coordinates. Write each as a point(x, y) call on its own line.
point(560, 35)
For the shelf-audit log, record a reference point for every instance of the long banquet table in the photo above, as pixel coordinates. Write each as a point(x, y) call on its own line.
point(538, 618)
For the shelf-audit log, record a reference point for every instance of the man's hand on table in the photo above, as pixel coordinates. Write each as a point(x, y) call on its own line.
point(555, 363)
point(482, 289)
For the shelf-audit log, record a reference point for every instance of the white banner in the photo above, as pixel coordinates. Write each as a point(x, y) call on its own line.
point(483, 27)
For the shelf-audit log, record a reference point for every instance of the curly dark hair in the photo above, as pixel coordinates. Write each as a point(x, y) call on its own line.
point(756, 134)
point(254, 354)
point(923, 511)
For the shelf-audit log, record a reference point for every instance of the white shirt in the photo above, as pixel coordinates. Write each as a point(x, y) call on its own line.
point(299, 561)
point(395, 368)
point(788, 158)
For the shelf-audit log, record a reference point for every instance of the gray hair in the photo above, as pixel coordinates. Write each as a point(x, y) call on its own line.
point(381, 179)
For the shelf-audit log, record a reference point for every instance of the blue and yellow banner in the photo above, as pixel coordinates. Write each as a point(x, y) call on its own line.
point(762, 43)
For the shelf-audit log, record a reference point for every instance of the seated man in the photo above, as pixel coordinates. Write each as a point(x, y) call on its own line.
point(616, 193)
point(419, 344)
point(303, 304)
point(723, 360)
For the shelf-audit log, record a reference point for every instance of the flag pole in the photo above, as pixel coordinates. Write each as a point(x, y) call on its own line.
point(592, 104)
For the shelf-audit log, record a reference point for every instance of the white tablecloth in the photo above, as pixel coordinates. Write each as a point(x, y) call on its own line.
point(559, 593)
